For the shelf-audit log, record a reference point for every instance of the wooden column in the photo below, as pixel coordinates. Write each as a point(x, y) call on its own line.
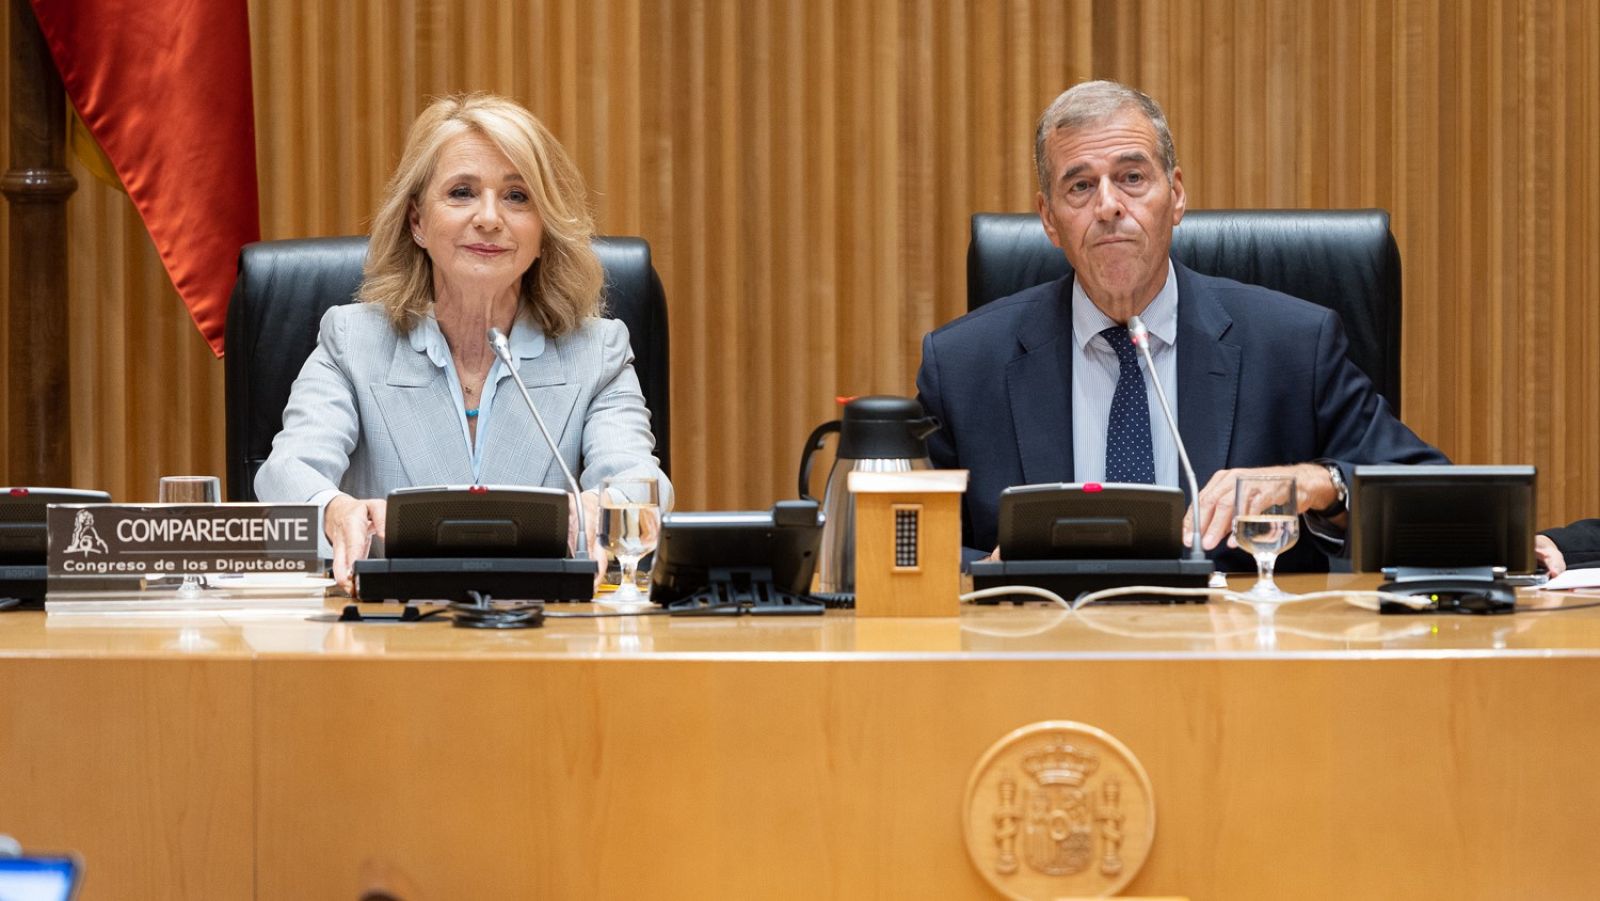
point(37, 185)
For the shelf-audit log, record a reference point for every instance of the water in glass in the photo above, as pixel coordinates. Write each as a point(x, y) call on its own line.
point(1266, 522)
point(622, 530)
point(1269, 534)
point(630, 518)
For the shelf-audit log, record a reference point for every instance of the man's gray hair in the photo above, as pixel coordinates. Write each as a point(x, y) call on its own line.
point(1093, 102)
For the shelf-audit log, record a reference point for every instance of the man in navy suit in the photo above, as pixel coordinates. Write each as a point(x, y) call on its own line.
point(1031, 388)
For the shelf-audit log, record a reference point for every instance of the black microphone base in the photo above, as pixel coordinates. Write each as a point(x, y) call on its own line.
point(732, 591)
point(1071, 578)
point(457, 579)
point(1452, 594)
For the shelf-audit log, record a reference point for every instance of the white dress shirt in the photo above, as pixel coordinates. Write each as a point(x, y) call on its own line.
point(1095, 371)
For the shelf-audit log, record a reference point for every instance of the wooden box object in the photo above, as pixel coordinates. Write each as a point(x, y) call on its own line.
point(908, 542)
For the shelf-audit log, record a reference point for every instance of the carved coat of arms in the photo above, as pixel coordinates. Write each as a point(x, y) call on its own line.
point(1059, 808)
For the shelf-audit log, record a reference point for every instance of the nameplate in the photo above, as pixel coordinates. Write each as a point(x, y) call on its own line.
point(181, 539)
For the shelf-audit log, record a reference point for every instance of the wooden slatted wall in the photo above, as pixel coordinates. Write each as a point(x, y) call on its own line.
point(805, 170)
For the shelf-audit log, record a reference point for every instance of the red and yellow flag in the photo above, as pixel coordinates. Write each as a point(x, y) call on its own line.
point(164, 88)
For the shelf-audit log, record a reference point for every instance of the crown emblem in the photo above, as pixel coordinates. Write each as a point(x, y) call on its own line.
point(1060, 763)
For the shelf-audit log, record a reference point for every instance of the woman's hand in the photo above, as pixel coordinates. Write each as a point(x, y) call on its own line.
point(350, 524)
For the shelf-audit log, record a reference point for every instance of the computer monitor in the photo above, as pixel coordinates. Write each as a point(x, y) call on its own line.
point(1442, 517)
point(733, 562)
point(1091, 521)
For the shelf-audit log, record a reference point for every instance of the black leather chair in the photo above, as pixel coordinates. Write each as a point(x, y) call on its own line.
point(1345, 260)
point(284, 287)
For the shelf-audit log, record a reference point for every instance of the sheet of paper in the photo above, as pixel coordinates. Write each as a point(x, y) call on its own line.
point(1574, 578)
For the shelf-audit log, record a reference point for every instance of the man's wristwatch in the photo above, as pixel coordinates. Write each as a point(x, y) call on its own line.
point(1342, 494)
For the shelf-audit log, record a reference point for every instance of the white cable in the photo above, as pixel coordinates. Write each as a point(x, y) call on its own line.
point(1067, 608)
point(1003, 590)
point(1366, 600)
point(1085, 600)
point(1058, 615)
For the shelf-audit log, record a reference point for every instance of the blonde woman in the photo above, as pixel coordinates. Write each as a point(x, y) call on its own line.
point(484, 223)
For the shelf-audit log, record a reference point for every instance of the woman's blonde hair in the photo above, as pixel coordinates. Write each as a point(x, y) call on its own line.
point(563, 285)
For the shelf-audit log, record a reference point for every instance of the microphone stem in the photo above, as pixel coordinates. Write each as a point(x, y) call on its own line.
point(1195, 551)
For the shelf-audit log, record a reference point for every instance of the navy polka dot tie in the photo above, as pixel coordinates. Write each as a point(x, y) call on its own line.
point(1128, 454)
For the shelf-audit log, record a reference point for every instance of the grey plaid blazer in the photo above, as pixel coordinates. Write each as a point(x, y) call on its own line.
point(369, 414)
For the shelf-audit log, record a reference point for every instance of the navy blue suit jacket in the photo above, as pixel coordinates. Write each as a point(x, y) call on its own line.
point(1263, 380)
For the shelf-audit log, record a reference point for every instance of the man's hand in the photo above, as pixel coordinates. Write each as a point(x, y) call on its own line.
point(1313, 491)
point(1549, 555)
point(350, 524)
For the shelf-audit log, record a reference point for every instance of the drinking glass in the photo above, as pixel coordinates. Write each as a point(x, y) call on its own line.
point(1266, 522)
point(630, 521)
point(190, 490)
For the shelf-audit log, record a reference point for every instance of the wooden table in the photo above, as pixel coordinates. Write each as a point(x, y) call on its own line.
point(1331, 754)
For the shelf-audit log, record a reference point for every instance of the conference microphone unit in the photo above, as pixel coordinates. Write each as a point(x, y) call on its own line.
point(1112, 532)
point(463, 543)
point(485, 514)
